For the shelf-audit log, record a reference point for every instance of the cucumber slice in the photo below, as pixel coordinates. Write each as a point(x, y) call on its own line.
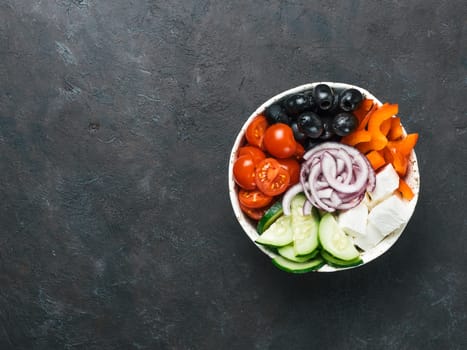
point(269, 217)
point(334, 240)
point(305, 233)
point(288, 252)
point(297, 267)
point(296, 205)
point(278, 234)
point(333, 261)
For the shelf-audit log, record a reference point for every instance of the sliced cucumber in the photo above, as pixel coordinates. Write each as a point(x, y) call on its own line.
point(333, 261)
point(334, 240)
point(278, 234)
point(296, 205)
point(288, 252)
point(269, 217)
point(305, 232)
point(297, 267)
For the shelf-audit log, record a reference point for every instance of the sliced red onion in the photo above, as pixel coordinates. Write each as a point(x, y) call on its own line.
point(316, 199)
point(325, 193)
point(360, 182)
point(288, 196)
point(336, 176)
point(340, 164)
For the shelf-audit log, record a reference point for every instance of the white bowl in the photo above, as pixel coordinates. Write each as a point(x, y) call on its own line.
point(412, 178)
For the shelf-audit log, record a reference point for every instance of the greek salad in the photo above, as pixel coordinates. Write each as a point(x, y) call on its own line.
point(322, 175)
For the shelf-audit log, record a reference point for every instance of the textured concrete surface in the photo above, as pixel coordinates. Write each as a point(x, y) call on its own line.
point(116, 119)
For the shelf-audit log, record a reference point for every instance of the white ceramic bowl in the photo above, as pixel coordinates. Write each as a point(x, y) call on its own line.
point(413, 179)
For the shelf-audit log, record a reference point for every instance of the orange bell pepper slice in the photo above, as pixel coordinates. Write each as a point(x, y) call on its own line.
point(363, 109)
point(378, 139)
point(367, 116)
point(356, 137)
point(399, 162)
point(396, 131)
point(386, 126)
point(405, 190)
point(376, 159)
point(406, 145)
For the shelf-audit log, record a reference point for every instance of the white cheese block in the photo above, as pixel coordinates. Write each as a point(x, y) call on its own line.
point(370, 239)
point(354, 221)
point(387, 181)
point(389, 215)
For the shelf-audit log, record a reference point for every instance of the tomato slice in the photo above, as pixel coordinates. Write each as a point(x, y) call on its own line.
point(255, 131)
point(253, 151)
point(244, 172)
point(253, 199)
point(254, 213)
point(293, 168)
point(271, 178)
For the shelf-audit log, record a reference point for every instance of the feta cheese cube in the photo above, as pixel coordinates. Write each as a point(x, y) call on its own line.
point(370, 239)
point(387, 181)
point(354, 221)
point(389, 215)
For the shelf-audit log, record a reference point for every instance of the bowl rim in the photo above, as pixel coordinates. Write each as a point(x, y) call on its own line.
point(412, 178)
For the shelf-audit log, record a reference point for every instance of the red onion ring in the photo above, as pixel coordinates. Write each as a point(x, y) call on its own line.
point(335, 176)
point(288, 196)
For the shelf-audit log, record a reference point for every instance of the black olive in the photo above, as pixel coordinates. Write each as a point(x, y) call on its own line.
point(298, 135)
point(344, 123)
point(275, 114)
point(311, 100)
point(350, 99)
point(328, 132)
point(296, 104)
point(310, 143)
point(310, 124)
point(327, 135)
point(323, 97)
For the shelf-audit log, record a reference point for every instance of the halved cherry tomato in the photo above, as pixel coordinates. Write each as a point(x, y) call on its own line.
point(253, 199)
point(279, 141)
point(253, 151)
point(271, 178)
point(254, 213)
point(244, 172)
point(293, 168)
point(255, 131)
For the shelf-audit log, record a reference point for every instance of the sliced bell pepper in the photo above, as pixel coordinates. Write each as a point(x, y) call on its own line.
point(366, 118)
point(386, 126)
point(405, 190)
point(356, 137)
point(378, 139)
point(396, 131)
point(399, 162)
point(406, 145)
point(363, 109)
point(376, 159)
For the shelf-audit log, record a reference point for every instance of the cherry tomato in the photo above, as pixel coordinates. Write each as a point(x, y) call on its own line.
point(293, 168)
point(244, 172)
point(255, 131)
point(253, 151)
point(254, 213)
point(279, 141)
point(253, 199)
point(299, 151)
point(271, 178)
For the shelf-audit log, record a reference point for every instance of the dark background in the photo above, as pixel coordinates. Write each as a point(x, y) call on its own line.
point(116, 123)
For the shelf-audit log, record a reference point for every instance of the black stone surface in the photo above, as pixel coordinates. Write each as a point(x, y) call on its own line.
point(116, 122)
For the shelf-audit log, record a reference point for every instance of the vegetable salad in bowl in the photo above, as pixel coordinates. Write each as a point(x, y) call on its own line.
point(324, 177)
